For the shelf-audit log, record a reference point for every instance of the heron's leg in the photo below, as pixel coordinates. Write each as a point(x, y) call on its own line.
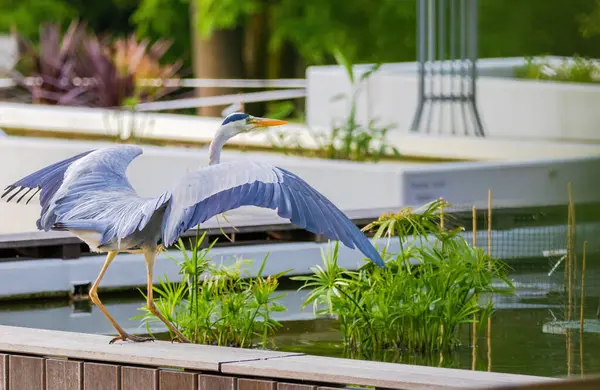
point(150, 257)
point(94, 297)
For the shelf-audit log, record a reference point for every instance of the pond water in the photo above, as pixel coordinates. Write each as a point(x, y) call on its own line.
point(519, 342)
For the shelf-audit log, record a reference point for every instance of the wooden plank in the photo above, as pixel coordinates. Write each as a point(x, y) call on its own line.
point(367, 373)
point(62, 374)
point(3, 372)
point(178, 380)
point(255, 384)
point(98, 376)
point(96, 347)
point(295, 386)
point(215, 382)
point(139, 378)
point(25, 373)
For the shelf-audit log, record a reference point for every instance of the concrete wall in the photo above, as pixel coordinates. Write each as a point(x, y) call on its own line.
point(201, 129)
point(8, 53)
point(510, 108)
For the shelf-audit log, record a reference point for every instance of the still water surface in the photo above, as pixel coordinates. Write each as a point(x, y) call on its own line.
point(519, 343)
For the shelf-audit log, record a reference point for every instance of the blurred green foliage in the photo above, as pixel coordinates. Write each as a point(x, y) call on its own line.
point(579, 70)
point(371, 31)
point(26, 15)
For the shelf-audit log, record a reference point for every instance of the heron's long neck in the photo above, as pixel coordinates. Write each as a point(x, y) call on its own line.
point(224, 134)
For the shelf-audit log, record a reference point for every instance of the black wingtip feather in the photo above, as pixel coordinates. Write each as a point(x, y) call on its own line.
point(25, 194)
point(15, 194)
point(34, 193)
point(7, 191)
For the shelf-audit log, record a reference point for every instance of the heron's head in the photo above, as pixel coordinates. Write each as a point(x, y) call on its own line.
point(239, 122)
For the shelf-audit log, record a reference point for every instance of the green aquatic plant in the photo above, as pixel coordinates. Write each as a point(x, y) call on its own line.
point(348, 139)
point(423, 296)
point(217, 305)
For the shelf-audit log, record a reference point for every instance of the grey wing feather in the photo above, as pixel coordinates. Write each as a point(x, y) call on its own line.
point(227, 186)
point(47, 181)
point(91, 191)
point(97, 189)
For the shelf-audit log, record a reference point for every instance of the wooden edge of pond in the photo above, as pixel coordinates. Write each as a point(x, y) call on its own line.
point(46, 359)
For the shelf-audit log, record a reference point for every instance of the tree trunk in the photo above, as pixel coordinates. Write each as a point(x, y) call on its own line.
point(256, 54)
point(290, 66)
point(220, 57)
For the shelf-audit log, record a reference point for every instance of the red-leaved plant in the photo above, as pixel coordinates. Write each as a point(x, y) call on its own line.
point(84, 70)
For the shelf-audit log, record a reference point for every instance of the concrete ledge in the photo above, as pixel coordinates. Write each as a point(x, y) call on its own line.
point(103, 122)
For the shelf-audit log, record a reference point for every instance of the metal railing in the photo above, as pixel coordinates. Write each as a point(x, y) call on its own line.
point(454, 63)
point(289, 89)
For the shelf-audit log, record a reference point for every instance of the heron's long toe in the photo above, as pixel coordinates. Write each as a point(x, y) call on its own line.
point(131, 337)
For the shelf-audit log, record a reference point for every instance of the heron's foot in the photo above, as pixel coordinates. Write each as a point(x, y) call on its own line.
point(180, 339)
point(131, 337)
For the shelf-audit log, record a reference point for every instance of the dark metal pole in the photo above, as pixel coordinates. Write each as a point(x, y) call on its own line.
point(421, 10)
point(463, 71)
point(452, 61)
point(473, 42)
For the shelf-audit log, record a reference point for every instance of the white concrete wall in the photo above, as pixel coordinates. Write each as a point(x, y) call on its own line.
point(510, 108)
point(202, 129)
point(8, 53)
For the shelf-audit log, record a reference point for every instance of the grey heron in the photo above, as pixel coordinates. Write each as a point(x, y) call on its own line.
point(90, 196)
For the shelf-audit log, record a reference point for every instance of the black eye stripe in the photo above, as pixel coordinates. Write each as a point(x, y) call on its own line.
point(235, 117)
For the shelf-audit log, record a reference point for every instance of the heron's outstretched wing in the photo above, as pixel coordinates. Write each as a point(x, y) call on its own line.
point(97, 190)
point(46, 181)
point(218, 188)
point(91, 191)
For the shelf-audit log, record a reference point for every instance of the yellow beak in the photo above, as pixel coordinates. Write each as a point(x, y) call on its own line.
point(266, 122)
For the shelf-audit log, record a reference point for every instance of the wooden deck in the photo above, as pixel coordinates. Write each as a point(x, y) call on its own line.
point(35, 359)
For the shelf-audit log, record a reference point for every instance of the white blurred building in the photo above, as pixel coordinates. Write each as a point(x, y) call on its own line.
point(8, 53)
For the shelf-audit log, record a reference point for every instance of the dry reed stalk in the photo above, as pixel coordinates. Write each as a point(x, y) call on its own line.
point(569, 273)
point(474, 328)
point(581, 305)
point(489, 242)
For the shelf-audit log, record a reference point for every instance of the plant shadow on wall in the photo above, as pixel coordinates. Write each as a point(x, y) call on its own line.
point(217, 305)
point(418, 303)
point(348, 139)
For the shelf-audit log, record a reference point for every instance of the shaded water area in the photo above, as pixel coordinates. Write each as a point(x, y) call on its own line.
point(519, 342)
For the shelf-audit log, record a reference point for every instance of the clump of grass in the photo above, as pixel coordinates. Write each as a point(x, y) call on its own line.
point(348, 139)
point(579, 70)
point(420, 300)
point(218, 305)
